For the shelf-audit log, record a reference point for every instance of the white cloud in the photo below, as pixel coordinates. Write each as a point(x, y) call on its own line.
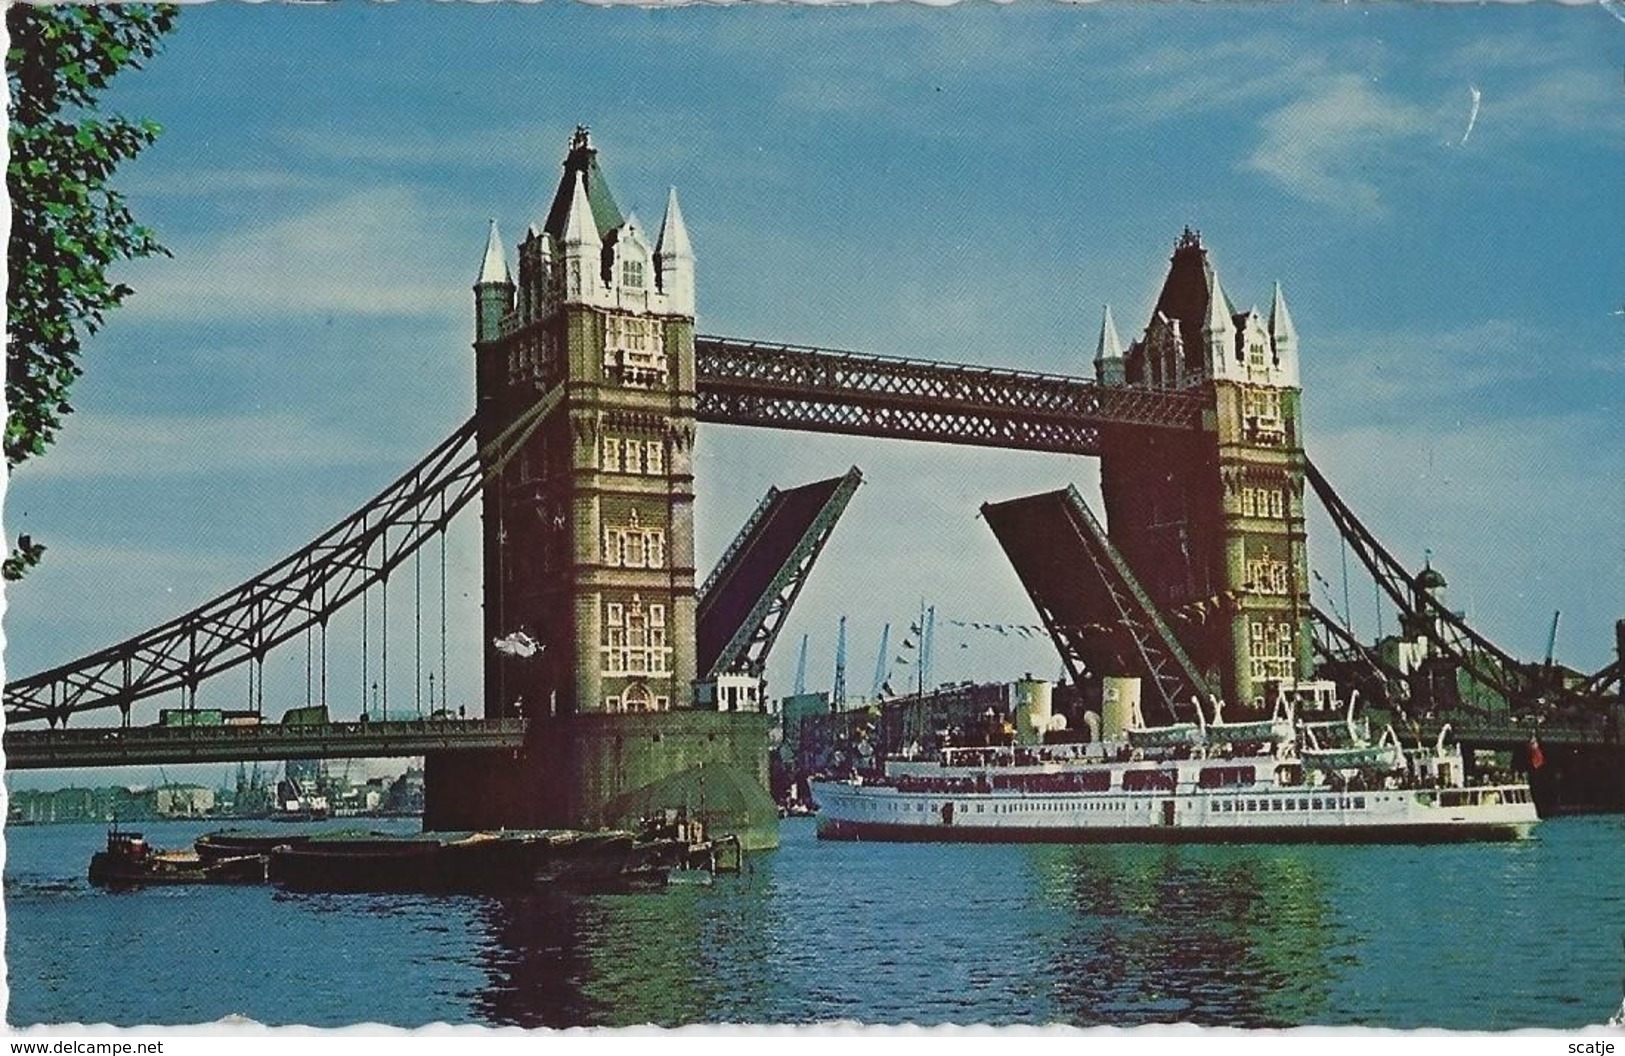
point(370, 253)
point(1409, 366)
point(1329, 145)
point(185, 182)
point(146, 447)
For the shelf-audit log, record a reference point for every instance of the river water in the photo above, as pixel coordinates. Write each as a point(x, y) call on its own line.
point(1470, 937)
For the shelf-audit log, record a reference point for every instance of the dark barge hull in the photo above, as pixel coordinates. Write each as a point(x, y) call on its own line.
point(232, 843)
point(510, 863)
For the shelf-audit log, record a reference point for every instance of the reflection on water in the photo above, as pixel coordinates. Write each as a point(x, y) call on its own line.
point(1031, 934)
point(1198, 935)
point(682, 955)
point(1469, 937)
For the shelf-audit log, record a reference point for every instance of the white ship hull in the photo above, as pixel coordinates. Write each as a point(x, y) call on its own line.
point(853, 811)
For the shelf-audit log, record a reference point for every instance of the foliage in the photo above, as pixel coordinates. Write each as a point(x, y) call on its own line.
point(67, 224)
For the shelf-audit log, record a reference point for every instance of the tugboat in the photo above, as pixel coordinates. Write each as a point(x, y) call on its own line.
point(130, 861)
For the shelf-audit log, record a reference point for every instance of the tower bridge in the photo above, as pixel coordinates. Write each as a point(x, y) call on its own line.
point(604, 666)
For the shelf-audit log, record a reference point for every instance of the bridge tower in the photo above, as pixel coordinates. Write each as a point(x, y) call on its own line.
point(1211, 521)
point(589, 541)
point(588, 556)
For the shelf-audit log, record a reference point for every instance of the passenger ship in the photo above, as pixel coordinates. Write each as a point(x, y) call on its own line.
point(1278, 779)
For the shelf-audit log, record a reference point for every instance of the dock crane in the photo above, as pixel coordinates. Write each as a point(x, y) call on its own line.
point(880, 663)
point(837, 696)
point(801, 669)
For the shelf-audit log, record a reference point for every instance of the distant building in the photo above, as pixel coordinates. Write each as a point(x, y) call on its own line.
point(183, 801)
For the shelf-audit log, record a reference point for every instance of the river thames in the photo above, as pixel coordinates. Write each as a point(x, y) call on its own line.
point(1469, 937)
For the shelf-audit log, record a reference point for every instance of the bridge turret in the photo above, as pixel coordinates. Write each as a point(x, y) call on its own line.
point(581, 247)
point(493, 290)
point(1109, 352)
point(1283, 340)
point(1219, 332)
point(674, 260)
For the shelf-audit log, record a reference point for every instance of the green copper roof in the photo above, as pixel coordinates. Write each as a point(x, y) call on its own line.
point(583, 158)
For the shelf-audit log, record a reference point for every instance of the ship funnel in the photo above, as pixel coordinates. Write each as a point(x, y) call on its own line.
point(1034, 710)
point(1119, 706)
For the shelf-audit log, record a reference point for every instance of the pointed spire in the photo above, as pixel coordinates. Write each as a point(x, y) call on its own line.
point(1219, 319)
point(579, 227)
point(494, 269)
point(1109, 366)
point(1282, 332)
point(673, 241)
point(1111, 346)
point(674, 259)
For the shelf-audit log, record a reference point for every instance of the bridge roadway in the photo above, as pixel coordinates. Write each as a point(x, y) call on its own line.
point(149, 745)
point(1506, 736)
point(95, 746)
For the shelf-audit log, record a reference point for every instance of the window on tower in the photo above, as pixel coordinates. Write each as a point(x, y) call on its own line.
point(1261, 415)
point(636, 644)
point(1270, 649)
point(634, 546)
point(634, 350)
point(1266, 575)
point(632, 274)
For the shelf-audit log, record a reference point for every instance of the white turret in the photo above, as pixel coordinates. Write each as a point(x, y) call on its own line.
point(674, 260)
point(1283, 340)
point(580, 248)
point(493, 290)
point(1219, 334)
point(494, 268)
point(1109, 369)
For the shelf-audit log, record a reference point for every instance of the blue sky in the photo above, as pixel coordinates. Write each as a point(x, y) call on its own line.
point(969, 184)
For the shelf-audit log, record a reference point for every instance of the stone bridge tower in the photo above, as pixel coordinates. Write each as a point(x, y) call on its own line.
point(589, 622)
point(1212, 521)
point(589, 543)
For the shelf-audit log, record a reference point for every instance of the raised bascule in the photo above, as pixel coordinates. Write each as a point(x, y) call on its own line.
point(613, 687)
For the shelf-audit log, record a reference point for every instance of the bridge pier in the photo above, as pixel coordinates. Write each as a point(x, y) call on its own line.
point(610, 771)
